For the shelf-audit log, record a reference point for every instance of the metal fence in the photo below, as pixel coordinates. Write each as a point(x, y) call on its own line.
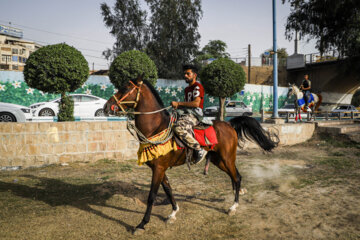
point(318, 115)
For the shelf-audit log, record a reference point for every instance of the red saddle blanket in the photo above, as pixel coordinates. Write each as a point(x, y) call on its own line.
point(206, 137)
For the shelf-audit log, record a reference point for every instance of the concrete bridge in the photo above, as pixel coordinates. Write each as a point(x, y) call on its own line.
point(337, 81)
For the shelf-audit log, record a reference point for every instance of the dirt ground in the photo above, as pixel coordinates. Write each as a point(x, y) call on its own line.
point(307, 191)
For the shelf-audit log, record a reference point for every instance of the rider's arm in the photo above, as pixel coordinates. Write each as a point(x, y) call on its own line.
point(192, 104)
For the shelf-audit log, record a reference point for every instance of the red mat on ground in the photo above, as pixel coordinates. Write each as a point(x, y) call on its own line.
point(206, 137)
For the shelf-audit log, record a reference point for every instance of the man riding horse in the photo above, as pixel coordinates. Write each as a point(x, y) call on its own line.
point(306, 88)
point(191, 112)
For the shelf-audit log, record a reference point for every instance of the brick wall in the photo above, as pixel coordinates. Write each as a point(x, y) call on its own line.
point(36, 144)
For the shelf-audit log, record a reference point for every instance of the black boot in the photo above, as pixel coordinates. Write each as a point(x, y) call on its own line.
point(199, 155)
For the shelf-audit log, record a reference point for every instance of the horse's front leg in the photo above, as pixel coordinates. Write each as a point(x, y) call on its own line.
point(175, 208)
point(157, 177)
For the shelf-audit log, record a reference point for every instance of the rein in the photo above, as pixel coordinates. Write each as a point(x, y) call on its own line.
point(138, 135)
point(139, 113)
point(143, 140)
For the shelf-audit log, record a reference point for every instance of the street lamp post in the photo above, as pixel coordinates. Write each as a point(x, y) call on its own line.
point(275, 67)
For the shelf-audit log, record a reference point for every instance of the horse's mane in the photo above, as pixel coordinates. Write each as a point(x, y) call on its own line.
point(294, 86)
point(156, 94)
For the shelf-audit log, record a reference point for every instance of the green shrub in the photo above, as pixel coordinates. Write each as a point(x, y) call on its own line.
point(222, 78)
point(129, 65)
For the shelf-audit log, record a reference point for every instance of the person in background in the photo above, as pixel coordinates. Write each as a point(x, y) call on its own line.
point(306, 88)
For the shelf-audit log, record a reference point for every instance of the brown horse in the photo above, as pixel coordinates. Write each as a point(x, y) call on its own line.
point(151, 118)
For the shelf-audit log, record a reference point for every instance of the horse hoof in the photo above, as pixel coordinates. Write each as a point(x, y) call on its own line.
point(205, 172)
point(231, 212)
point(138, 231)
point(242, 191)
point(170, 220)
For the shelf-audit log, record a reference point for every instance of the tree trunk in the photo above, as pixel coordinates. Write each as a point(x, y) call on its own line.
point(221, 113)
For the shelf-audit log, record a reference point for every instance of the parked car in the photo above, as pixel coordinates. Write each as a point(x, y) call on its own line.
point(289, 108)
point(344, 111)
point(233, 108)
point(84, 106)
point(14, 113)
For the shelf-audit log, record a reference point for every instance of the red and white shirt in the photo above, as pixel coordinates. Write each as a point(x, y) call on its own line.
point(194, 91)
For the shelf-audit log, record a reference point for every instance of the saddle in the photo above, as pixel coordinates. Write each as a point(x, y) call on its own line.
point(204, 134)
point(301, 102)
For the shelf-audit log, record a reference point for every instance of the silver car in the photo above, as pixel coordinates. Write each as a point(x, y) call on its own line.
point(344, 111)
point(290, 108)
point(10, 112)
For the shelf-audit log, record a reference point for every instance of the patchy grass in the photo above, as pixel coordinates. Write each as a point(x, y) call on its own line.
point(306, 191)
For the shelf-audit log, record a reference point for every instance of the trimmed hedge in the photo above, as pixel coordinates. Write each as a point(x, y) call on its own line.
point(129, 65)
point(56, 68)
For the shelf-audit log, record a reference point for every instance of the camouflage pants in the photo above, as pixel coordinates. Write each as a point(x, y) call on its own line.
point(184, 129)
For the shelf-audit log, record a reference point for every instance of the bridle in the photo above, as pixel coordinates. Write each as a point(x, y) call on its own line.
point(121, 101)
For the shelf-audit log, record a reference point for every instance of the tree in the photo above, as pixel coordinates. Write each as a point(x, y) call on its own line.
point(170, 39)
point(282, 53)
point(57, 69)
point(129, 65)
point(335, 24)
point(128, 26)
point(174, 36)
point(356, 99)
point(222, 78)
point(214, 49)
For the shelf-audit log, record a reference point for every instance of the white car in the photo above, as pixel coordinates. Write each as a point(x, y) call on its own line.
point(84, 106)
point(344, 111)
point(14, 113)
point(233, 109)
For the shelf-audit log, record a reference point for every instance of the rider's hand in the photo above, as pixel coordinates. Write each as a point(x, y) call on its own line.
point(174, 104)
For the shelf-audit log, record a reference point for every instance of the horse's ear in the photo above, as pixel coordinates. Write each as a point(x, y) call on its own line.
point(140, 78)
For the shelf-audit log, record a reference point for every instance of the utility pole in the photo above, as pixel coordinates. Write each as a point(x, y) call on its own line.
point(249, 55)
point(275, 68)
point(93, 67)
point(296, 42)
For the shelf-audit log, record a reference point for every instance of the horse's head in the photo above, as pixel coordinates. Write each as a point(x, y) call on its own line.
point(291, 90)
point(126, 97)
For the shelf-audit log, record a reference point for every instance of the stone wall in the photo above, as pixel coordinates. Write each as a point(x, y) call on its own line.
point(36, 144)
point(289, 133)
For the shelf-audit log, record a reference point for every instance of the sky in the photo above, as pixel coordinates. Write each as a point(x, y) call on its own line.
point(79, 23)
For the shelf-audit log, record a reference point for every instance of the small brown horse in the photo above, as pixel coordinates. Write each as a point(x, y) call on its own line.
point(150, 119)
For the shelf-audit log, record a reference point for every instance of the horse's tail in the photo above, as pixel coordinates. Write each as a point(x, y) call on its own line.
point(249, 128)
point(318, 102)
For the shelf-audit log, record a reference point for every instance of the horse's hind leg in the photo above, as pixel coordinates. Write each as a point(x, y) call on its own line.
point(228, 165)
point(175, 208)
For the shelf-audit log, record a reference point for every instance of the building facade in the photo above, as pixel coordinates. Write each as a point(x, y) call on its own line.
point(14, 51)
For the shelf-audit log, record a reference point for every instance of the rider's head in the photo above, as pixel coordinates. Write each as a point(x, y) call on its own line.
point(190, 73)
point(306, 76)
